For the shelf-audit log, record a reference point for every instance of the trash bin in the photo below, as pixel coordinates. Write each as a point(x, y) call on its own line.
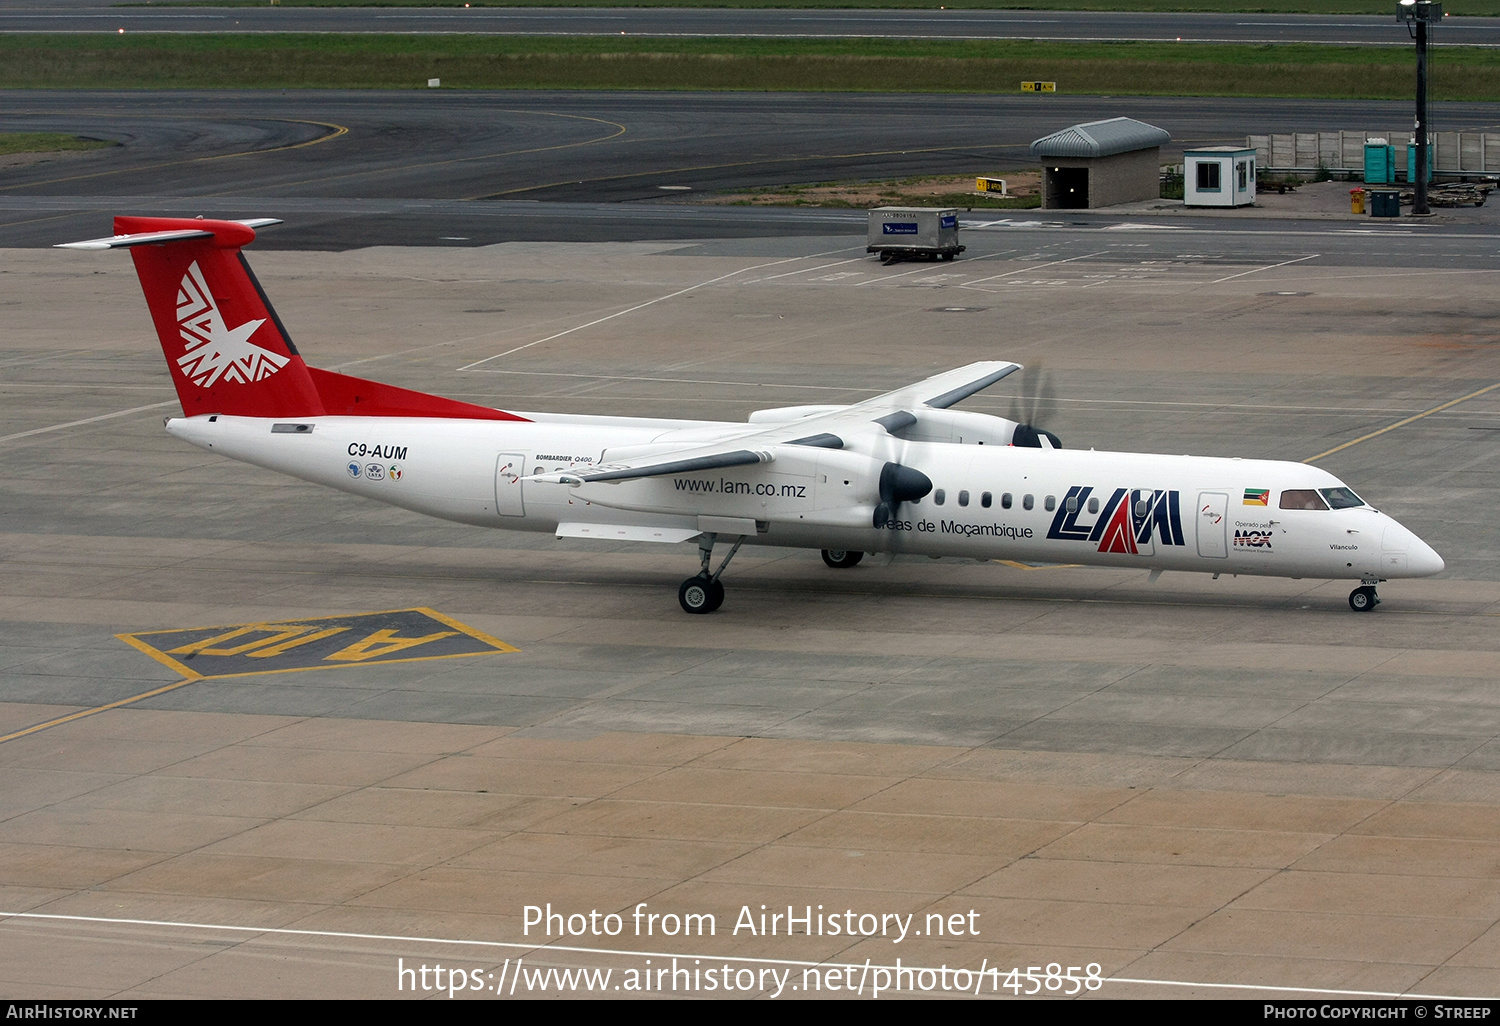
point(1356, 201)
point(1385, 203)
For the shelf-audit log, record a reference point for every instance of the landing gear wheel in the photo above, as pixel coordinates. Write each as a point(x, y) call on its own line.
point(841, 560)
point(700, 595)
point(1364, 599)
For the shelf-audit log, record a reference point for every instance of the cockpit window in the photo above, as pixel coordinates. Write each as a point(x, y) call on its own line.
point(1341, 498)
point(1302, 498)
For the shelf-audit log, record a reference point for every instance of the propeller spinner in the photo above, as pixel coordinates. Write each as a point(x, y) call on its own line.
point(899, 484)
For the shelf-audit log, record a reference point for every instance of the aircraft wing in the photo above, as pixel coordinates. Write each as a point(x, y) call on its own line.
point(942, 390)
point(688, 461)
point(890, 411)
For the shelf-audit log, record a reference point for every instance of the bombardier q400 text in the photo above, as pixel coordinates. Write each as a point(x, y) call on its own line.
point(900, 473)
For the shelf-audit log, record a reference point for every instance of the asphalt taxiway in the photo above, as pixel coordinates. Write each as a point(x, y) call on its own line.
point(1193, 784)
point(1175, 26)
point(434, 167)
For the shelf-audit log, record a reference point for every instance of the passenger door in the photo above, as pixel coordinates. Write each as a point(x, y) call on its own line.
point(1213, 524)
point(510, 468)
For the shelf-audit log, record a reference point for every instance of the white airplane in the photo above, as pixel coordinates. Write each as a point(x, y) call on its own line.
point(903, 472)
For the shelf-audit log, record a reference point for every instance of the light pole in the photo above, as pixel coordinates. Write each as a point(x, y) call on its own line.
point(1417, 15)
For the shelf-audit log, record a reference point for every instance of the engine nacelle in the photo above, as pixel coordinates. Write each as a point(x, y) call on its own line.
point(800, 484)
point(957, 427)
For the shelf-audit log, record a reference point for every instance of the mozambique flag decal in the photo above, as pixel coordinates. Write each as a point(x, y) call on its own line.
point(1257, 496)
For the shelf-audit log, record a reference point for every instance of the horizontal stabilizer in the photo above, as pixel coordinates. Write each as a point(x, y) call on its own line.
point(138, 239)
point(129, 239)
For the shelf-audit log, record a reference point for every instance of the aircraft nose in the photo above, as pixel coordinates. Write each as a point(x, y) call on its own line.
point(1422, 561)
point(1406, 555)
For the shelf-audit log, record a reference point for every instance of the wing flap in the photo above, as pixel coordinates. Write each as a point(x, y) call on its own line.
point(627, 532)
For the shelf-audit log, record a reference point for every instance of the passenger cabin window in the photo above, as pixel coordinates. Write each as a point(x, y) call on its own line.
point(1005, 501)
point(1071, 503)
point(1094, 505)
point(938, 497)
point(1051, 503)
point(1302, 498)
point(1341, 498)
point(1026, 502)
point(985, 499)
point(963, 498)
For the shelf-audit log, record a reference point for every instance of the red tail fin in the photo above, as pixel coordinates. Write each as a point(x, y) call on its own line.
point(226, 348)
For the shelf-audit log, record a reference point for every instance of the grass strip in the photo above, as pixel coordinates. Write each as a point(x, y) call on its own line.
point(961, 200)
point(46, 142)
point(1483, 8)
point(143, 60)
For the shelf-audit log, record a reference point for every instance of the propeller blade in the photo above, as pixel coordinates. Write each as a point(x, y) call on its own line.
point(1043, 399)
point(1031, 406)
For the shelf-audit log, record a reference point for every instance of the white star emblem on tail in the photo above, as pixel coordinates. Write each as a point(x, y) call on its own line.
point(212, 350)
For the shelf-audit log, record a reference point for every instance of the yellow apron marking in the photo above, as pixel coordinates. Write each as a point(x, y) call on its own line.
point(1403, 423)
point(334, 133)
point(291, 646)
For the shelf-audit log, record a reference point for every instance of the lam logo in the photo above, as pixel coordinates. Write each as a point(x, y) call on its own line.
point(1132, 521)
point(213, 350)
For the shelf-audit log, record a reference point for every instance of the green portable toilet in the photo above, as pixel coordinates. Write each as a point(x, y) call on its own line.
point(1380, 162)
point(1411, 162)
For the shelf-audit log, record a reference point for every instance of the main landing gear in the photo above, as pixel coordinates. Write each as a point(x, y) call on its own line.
point(704, 593)
point(841, 560)
point(1363, 599)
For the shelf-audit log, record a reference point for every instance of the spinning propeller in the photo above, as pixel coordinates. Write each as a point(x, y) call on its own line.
point(1028, 408)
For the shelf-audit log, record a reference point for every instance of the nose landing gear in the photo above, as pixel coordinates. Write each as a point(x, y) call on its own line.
point(1363, 599)
point(841, 560)
point(704, 593)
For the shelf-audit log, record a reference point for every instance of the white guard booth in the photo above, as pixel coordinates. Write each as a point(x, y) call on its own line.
point(1218, 176)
